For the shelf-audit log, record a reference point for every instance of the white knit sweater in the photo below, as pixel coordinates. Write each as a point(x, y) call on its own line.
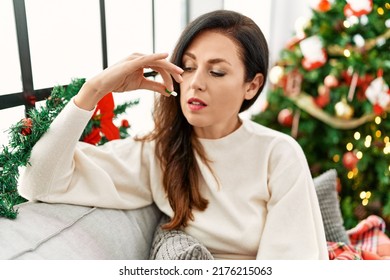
point(264, 205)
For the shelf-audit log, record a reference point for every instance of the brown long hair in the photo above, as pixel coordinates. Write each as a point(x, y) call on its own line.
point(176, 144)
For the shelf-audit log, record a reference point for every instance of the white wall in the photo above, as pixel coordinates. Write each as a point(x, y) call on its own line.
point(198, 7)
point(284, 14)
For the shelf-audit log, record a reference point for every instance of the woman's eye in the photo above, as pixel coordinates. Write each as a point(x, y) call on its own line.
point(217, 73)
point(188, 68)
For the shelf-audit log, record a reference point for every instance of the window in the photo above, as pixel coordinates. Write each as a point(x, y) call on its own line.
point(65, 41)
point(10, 81)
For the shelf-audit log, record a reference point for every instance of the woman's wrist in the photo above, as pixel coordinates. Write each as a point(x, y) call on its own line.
point(87, 97)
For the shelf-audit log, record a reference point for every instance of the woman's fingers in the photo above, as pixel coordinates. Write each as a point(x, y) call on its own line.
point(158, 63)
point(154, 86)
point(167, 78)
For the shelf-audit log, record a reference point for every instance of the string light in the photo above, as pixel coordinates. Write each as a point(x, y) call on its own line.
point(365, 196)
point(346, 24)
point(347, 53)
point(368, 140)
point(359, 155)
point(378, 120)
point(380, 11)
point(336, 158)
point(349, 146)
point(356, 135)
point(352, 173)
point(378, 133)
point(386, 149)
point(387, 5)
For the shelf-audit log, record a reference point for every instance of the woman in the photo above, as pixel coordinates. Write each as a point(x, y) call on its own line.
point(243, 190)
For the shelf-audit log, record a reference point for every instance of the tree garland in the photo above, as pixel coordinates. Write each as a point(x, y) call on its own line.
point(25, 133)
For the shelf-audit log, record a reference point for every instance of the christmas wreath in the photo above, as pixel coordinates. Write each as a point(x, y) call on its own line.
point(25, 133)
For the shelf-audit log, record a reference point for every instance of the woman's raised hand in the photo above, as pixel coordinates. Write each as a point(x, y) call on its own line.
point(127, 75)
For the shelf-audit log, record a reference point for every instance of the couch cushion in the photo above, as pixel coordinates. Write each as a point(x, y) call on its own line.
point(325, 185)
point(62, 231)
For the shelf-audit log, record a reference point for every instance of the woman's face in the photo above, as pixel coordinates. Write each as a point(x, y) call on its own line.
point(213, 86)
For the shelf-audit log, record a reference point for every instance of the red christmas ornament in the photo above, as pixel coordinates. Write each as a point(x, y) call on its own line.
point(323, 97)
point(26, 128)
point(31, 99)
point(350, 160)
point(324, 6)
point(322, 100)
point(285, 117)
point(321, 5)
point(125, 123)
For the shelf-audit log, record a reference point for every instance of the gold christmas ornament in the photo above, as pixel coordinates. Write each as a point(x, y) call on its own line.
point(344, 110)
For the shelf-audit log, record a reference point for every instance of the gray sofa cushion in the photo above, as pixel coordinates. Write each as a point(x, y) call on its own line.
point(325, 185)
point(62, 231)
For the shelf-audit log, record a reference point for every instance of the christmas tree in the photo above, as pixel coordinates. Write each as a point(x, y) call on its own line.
point(329, 90)
point(24, 134)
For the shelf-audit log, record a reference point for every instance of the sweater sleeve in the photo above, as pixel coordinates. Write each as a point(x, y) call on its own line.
point(64, 170)
point(293, 228)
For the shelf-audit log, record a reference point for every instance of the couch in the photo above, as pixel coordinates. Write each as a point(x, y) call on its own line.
point(61, 231)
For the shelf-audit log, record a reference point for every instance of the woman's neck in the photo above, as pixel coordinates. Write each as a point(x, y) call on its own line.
point(218, 130)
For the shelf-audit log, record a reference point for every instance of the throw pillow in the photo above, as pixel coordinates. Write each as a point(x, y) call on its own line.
point(176, 245)
point(325, 185)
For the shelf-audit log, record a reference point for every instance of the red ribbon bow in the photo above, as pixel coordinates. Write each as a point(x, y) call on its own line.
point(105, 113)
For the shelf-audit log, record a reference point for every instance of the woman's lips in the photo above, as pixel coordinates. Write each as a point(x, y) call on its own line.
point(195, 104)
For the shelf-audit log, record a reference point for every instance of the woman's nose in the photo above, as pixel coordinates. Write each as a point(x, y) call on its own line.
point(198, 81)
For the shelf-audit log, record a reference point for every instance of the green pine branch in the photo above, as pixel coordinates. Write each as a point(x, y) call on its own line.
point(17, 153)
point(25, 134)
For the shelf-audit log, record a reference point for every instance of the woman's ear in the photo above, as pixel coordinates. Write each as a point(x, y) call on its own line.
point(253, 86)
